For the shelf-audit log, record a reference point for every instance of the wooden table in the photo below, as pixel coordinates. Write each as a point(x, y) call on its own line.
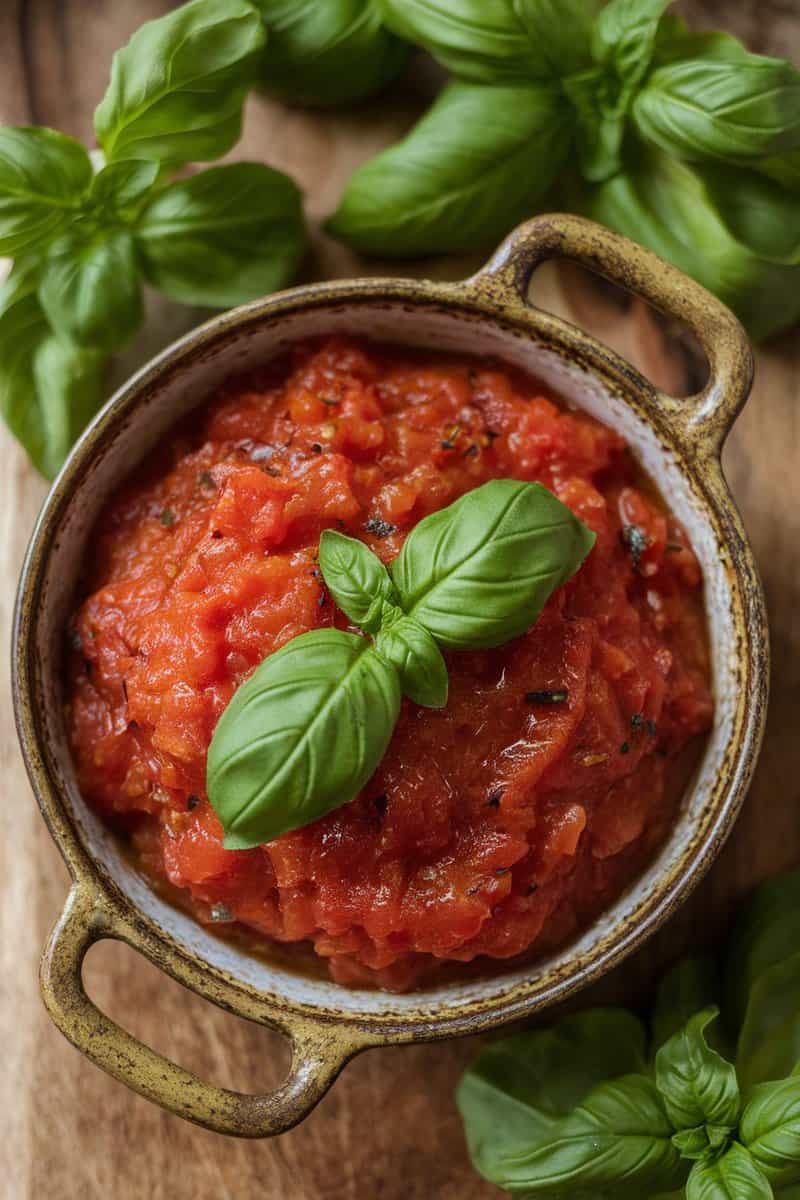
point(389, 1127)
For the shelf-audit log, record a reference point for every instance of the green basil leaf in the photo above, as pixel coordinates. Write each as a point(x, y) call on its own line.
point(331, 53)
point(617, 1137)
point(472, 167)
point(667, 206)
point(44, 176)
point(783, 168)
point(732, 111)
point(301, 736)
point(90, 289)
point(517, 1089)
point(770, 1129)
point(703, 1141)
point(224, 236)
point(675, 42)
point(177, 88)
point(69, 384)
point(417, 659)
point(624, 37)
point(479, 572)
point(769, 1041)
point(484, 41)
point(734, 1176)
point(759, 212)
point(697, 1085)
point(766, 933)
point(560, 31)
point(356, 578)
point(689, 986)
point(118, 189)
point(48, 390)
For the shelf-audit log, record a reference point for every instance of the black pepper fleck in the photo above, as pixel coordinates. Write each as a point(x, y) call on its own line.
point(495, 797)
point(381, 803)
point(316, 447)
point(167, 517)
point(635, 541)
point(625, 748)
point(192, 803)
point(378, 527)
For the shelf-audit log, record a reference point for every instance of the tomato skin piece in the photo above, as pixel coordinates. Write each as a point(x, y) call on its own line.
point(497, 826)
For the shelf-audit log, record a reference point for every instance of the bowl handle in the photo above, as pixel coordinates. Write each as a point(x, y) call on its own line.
point(703, 421)
point(318, 1053)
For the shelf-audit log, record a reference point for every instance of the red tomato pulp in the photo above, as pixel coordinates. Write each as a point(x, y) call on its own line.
point(500, 824)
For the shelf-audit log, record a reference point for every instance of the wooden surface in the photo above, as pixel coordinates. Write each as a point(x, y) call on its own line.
point(389, 1128)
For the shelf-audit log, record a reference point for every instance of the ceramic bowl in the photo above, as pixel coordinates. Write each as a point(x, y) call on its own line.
point(678, 443)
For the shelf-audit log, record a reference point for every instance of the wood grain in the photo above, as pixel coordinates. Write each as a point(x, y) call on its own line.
point(389, 1127)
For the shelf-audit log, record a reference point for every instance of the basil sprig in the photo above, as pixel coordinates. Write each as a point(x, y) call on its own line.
point(309, 727)
point(581, 1110)
point(686, 142)
point(86, 232)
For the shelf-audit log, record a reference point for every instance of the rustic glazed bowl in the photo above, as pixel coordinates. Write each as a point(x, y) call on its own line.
point(678, 443)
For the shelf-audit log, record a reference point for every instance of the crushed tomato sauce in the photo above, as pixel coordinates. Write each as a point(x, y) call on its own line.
point(499, 825)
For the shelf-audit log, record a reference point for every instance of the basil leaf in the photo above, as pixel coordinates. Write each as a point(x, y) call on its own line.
point(484, 41)
point(479, 572)
point(758, 212)
point(48, 390)
point(331, 53)
point(357, 579)
point(698, 1086)
point(514, 1093)
point(770, 1129)
point(734, 1176)
point(667, 206)
point(417, 659)
point(118, 189)
point(769, 1041)
point(689, 986)
point(43, 178)
point(733, 111)
point(560, 31)
point(69, 387)
point(784, 169)
point(177, 88)
point(617, 1136)
point(224, 236)
point(90, 289)
point(472, 167)
point(675, 42)
point(301, 736)
point(766, 933)
point(624, 37)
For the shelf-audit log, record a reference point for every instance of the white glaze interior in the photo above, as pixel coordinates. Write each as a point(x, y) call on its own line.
point(433, 329)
